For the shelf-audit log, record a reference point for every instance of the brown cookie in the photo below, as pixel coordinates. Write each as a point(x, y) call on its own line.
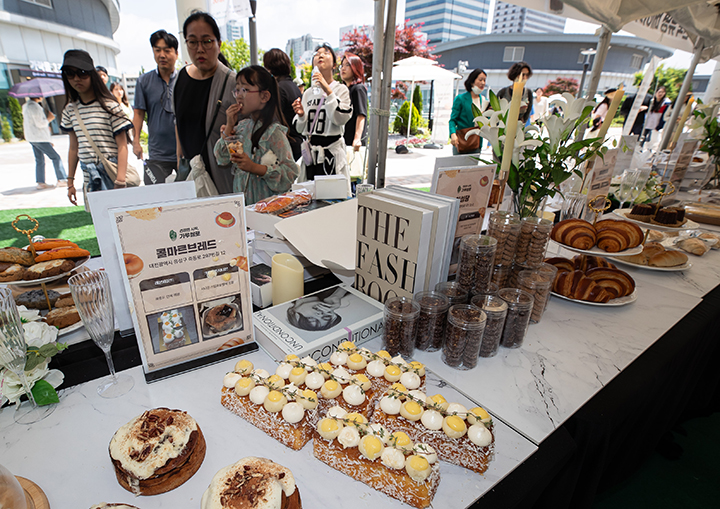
point(35, 299)
point(48, 269)
point(16, 255)
point(62, 317)
point(12, 272)
point(64, 301)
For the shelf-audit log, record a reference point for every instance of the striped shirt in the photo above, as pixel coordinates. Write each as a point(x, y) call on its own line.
point(100, 124)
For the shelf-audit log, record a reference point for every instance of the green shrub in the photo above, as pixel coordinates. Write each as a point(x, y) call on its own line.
point(400, 123)
point(418, 98)
point(6, 131)
point(17, 118)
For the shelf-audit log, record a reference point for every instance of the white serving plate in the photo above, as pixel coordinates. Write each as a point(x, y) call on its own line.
point(689, 224)
point(599, 252)
point(35, 282)
point(622, 301)
point(677, 268)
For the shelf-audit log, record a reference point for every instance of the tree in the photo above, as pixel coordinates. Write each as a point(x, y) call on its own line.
point(237, 52)
point(401, 119)
point(293, 71)
point(17, 118)
point(409, 42)
point(669, 78)
point(418, 98)
point(560, 85)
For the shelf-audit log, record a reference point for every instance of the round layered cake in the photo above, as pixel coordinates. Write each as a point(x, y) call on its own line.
point(252, 483)
point(157, 451)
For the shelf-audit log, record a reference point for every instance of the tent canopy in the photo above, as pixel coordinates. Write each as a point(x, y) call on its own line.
point(421, 69)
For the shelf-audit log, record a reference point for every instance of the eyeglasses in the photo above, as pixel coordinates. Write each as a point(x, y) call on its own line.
point(207, 43)
point(242, 91)
point(80, 73)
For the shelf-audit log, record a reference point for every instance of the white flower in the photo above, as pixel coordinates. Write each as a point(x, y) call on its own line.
point(38, 334)
point(571, 108)
point(11, 387)
point(30, 315)
point(558, 129)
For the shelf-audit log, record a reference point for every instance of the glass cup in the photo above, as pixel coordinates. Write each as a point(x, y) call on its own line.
point(363, 188)
point(573, 206)
point(91, 292)
point(13, 353)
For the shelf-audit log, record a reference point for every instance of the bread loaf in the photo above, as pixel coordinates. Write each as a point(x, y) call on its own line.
point(574, 233)
point(668, 259)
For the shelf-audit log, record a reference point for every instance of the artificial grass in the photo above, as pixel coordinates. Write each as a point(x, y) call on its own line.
point(71, 223)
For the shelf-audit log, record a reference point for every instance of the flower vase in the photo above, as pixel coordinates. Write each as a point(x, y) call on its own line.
point(526, 205)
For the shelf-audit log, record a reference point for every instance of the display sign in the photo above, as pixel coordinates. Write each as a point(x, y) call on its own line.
point(186, 272)
point(602, 172)
point(684, 158)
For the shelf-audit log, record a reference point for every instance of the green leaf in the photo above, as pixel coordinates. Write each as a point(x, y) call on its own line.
point(494, 102)
point(44, 393)
point(48, 350)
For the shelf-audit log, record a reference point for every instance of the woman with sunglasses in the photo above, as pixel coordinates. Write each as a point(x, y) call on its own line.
point(89, 100)
point(203, 93)
point(321, 118)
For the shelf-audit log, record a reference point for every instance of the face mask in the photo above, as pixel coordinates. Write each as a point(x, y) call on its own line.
point(476, 90)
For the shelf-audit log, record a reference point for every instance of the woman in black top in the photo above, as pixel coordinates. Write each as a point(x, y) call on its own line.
point(351, 72)
point(520, 69)
point(278, 63)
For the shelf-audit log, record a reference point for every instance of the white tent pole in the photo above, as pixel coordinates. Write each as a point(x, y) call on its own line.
point(388, 57)
point(598, 64)
point(375, 99)
point(712, 93)
point(670, 125)
point(412, 89)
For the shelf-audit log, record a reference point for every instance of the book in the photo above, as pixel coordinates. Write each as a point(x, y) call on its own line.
point(261, 285)
point(391, 247)
point(317, 323)
point(445, 211)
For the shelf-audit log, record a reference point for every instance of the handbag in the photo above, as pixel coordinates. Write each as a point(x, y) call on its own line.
point(132, 177)
point(305, 147)
point(469, 144)
point(184, 166)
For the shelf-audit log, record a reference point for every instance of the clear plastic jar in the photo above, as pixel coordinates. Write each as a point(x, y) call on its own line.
point(515, 270)
point(431, 322)
point(533, 240)
point(477, 254)
point(550, 272)
point(504, 227)
point(537, 284)
point(496, 310)
point(520, 305)
point(463, 336)
point(500, 275)
point(490, 289)
point(454, 292)
point(400, 326)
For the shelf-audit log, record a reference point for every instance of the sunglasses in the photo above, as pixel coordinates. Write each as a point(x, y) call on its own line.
point(71, 73)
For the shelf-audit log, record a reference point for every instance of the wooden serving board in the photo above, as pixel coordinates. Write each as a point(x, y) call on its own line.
point(36, 498)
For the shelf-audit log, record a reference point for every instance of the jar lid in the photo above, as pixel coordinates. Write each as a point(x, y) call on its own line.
point(504, 217)
point(477, 242)
point(452, 289)
point(490, 303)
point(516, 297)
point(402, 308)
point(466, 316)
point(534, 278)
point(432, 302)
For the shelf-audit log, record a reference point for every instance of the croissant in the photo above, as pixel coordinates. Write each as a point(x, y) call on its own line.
point(669, 258)
point(574, 233)
point(562, 264)
point(694, 246)
point(584, 262)
point(614, 236)
point(617, 282)
point(576, 285)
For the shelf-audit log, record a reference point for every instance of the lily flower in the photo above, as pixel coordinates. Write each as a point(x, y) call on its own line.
point(571, 107)
point(558, 129)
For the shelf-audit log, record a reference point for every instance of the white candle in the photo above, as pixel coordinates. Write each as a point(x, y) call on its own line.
point(611, 112)
point(683, 119)
point(287, 278)
point(511, 124)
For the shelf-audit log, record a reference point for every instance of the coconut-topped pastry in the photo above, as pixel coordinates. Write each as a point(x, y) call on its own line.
point(388, 462)
point(157, 451)
point(460, 435)
point(252, 483)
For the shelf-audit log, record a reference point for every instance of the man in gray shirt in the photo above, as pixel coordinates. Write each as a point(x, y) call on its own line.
point(153, 94)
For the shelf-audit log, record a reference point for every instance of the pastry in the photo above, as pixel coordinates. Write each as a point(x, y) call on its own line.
point(665, 217)
point(231, 343)
point(615, 236)
point(668, 258)
point(11, 272)
point(48, 244)
point(615, 281)
point(693, 246)
point(283, 202)
point(235, 146)
point(65, 300)
point(225, 219)
point(63, 317)
point(575, 285)
point(48, 269)
point(133, 264)
point(711, 236)
point(562, 264)
point(574, 233)
point(458, 435)
point(387, 462)
point(157, 451)
point(584, 262)
point(149, 214)
point(16, 255)
point(35, 299)
point(62, 252)
point(221, 318)
point(655, 236)
point(680, 211)
point(252, 483)
point(641, 212)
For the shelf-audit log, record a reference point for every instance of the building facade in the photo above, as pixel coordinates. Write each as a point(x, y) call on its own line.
point(449, 20)
point(234, 30)
point(509, 18)
point(301, 45)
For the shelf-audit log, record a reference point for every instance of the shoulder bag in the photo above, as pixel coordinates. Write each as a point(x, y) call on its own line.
point(184, 167)
point(470, 143)
point(132, 177)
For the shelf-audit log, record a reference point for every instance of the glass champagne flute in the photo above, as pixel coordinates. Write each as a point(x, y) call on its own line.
point(626, 184)
point(13, 351)
point(91, 292)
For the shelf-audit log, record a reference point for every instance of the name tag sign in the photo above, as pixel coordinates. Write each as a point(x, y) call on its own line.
point(186, 274)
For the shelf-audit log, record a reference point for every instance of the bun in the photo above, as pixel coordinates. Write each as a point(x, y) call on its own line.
point(133, 264)
point(615, 236)
point(668, 259)
point(574, 233)
point(62, 252)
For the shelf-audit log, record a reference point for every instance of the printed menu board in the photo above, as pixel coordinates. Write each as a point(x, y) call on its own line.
point(186, 275)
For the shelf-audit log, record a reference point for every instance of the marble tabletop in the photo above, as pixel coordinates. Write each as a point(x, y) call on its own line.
point(566, 358)
point(67, 453)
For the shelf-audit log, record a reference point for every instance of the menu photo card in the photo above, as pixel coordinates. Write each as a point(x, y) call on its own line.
point(186, 275)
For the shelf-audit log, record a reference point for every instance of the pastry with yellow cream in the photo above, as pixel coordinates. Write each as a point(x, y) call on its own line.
point(387, 462)
point(157, 451)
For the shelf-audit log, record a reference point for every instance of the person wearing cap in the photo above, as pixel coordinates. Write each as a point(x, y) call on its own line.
point(154, 96)
point(87, 97)
point(278, 63)
point(103, 74)
point(35, 127)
